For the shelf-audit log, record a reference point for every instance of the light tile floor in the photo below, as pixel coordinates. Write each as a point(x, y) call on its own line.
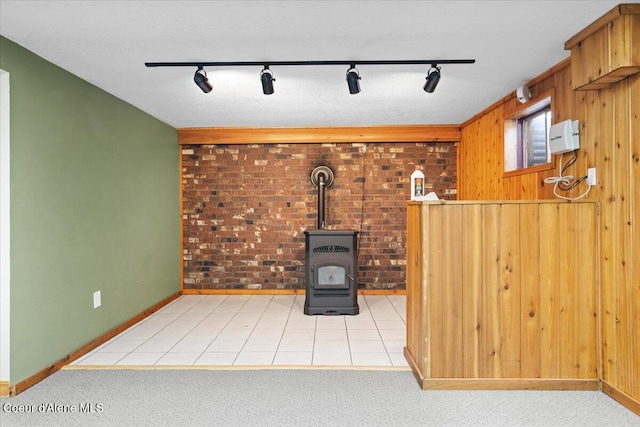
point(246, 330)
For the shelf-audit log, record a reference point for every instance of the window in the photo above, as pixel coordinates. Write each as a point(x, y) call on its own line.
point(526, 135)
point(533, 139)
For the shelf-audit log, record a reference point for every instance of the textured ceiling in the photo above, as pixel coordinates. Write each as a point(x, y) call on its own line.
point(108, 42)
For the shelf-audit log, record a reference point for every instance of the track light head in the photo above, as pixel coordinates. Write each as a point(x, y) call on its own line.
point(352, 80)
point(267, 80)
point(201, 80)
point(433, 77)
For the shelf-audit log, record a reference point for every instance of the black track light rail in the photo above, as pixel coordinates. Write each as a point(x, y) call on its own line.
point(353, 76)
point(432, 62)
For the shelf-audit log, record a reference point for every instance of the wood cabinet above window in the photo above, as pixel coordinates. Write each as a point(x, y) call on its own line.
point(608, 50)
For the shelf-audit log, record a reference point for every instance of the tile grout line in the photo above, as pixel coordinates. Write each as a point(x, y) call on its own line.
point(187, 333)
point(165, 353)
point(252, 329)
point(121, 335)
point(282, 333)
point(213, 339)
point(382, 304)
point(284, 329)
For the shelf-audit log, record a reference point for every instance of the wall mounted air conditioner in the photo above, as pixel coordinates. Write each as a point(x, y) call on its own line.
point(564, 136)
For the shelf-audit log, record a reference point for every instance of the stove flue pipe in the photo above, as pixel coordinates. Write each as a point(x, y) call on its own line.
point(321, 177)
point(321, 183)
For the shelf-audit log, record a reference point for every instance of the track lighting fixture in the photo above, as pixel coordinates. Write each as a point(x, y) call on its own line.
point(201, 80)
point(433, 77)
point(267, 80)
point(352, 80)
point(353, 75)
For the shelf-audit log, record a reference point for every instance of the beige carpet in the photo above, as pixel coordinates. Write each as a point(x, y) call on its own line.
point(293, 398)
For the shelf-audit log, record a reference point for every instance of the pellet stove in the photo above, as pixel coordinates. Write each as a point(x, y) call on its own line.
point(331, 261)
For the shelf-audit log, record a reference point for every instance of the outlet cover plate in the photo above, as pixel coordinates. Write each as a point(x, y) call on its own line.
point(591, 176)
point(97, 299)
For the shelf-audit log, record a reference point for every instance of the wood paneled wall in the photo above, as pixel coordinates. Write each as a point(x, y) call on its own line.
point(610, 142)
point(616, 142)
point(481, 151)
point(495, 291)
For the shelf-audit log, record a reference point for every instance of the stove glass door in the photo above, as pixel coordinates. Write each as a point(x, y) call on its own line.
point(331, 275)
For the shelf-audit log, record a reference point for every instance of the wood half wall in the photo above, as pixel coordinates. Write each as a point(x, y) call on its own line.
point(495, 290)
point(610, 142)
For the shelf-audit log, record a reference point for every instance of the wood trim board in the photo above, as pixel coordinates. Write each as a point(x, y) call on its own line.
point(4, 389)
point(621, 397)
point(508, 384)
point(282, 292)
point(249, 135)
point(232, 368)
point(621, 9)
point(497, 383)
point(56, 366)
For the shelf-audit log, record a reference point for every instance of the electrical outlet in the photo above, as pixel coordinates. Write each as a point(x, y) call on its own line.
point(97, 299)
point(591, 176)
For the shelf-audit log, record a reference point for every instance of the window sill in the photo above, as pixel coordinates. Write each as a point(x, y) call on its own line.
point(527, 171)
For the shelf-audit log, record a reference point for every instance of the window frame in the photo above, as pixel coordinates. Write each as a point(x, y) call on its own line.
point(511, 141)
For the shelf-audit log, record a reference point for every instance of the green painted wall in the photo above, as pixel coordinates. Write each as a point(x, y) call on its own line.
point(94, 206)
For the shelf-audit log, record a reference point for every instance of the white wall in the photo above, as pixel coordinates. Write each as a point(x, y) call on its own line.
point(5, 230)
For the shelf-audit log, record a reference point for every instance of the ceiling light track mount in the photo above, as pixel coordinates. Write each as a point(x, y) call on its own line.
point(432, 62)
point(353, 75)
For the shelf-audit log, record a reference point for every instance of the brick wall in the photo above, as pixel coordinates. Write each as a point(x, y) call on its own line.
point(246, 207)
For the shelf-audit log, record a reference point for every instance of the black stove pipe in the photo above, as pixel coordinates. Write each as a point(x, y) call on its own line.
point(321, 185)
point(321, 177)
